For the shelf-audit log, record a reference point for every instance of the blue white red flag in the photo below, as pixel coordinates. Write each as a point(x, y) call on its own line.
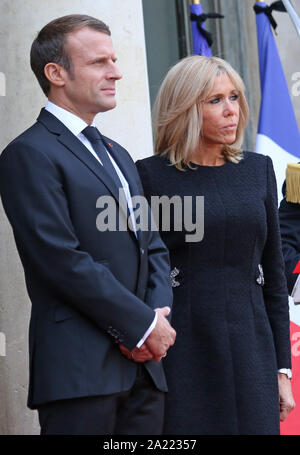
point(200, 44)
point(278, 134)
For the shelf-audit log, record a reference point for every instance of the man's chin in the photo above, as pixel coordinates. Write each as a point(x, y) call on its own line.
point(103, 107)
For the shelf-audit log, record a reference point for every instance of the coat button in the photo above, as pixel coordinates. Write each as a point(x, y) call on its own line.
point(142, 251)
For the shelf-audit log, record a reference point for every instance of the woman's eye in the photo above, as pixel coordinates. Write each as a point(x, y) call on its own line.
point(218, 99)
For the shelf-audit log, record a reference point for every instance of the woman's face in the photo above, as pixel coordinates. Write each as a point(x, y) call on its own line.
point(221, 112)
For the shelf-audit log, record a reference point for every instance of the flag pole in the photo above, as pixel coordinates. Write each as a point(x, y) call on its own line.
point(195, 2)
point(293, 15)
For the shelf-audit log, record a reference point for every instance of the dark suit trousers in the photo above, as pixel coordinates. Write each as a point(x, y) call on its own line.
point(137, 411)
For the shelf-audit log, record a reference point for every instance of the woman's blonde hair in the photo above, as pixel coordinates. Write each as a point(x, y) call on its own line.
point(177, 112)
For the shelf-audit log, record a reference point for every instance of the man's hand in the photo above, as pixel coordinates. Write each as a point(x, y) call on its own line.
point(141, 354)
point(158, 342)
point(162, 336)
point(286, 400)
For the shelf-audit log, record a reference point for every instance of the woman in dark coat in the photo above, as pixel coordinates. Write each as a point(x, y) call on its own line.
point(230, 298)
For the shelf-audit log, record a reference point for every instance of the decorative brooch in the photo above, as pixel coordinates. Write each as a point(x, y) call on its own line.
point(260, 280)
point(173, 274)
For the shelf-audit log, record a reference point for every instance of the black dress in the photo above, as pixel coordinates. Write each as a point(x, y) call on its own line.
point(232, 322)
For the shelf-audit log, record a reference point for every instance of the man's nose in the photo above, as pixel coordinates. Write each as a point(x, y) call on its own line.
point(114, 72)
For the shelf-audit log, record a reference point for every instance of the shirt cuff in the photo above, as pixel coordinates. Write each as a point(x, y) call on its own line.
point(286, 371)
point(152, 326)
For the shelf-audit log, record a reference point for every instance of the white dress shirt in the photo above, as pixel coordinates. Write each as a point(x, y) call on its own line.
point(76, 125)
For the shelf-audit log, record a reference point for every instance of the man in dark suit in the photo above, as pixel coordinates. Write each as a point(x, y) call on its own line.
point(100, 298)
point(289, 216)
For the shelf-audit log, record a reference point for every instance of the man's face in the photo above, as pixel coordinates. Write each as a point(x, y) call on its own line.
point(90, 86)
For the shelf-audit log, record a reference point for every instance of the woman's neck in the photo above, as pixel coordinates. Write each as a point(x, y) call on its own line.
point(208, 157)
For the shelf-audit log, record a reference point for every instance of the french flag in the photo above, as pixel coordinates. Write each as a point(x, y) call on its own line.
point(200, 44)
point(278, 136)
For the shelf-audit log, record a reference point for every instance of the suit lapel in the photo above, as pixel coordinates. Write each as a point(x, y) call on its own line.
point(83, 154)
point(124, 164)
point(127, 168)
point(74, 145)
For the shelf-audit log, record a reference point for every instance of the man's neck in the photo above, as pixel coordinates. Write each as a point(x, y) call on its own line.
point(86, 117)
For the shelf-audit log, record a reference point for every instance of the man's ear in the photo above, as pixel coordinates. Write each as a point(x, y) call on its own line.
point(55, 74)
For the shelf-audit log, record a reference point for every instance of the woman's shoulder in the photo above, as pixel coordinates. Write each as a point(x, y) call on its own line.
point(154, 161)
point(254, 159)
point(154, 172)
point(154, 166)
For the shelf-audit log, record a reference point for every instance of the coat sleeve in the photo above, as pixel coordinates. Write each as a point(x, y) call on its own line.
point(34, 200)
point(275, 289)
point(289, 216)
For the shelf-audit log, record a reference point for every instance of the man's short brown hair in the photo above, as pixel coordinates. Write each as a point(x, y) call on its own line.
point(49, 45)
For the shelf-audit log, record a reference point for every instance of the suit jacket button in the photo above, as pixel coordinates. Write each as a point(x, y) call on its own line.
point(142, 251)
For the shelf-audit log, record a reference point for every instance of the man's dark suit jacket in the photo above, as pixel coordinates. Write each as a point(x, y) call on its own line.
point(89, 289)
point(289, 216)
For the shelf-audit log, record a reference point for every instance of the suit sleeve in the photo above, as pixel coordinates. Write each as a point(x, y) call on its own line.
point(34, 200)
point(159, 291)
point(275, 290)
point(289, 216)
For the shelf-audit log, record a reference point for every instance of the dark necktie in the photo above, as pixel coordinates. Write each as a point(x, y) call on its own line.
point(94, 136)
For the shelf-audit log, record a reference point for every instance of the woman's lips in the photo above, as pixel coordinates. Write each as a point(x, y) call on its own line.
point(229, 127)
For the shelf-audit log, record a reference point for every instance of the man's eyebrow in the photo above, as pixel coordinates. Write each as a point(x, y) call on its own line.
point(101, 58)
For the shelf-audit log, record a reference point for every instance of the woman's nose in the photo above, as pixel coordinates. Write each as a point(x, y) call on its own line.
point(229, 108)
